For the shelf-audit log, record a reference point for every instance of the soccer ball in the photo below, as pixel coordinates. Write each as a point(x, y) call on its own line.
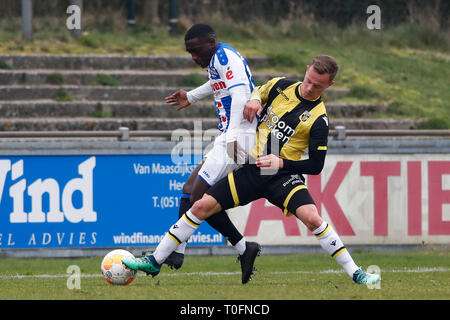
point(114, 271)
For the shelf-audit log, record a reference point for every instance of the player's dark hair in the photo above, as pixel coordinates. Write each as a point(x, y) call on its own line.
point(200, 30)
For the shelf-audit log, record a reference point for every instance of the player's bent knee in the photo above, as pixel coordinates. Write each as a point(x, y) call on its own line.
point(205, 207)
point(309, 215)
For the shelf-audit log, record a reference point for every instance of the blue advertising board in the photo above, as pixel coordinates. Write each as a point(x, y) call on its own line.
point(92, 201)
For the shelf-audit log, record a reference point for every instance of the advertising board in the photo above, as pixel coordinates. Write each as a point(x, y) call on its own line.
point(368, 198)
point(92, 201)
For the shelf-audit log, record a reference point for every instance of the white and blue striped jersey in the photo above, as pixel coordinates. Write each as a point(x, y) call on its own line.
point(228, 69)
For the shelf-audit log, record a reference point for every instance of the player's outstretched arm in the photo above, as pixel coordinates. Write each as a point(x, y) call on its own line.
point(178, 99)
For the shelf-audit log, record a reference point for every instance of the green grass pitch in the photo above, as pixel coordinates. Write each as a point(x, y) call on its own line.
point(421, 274)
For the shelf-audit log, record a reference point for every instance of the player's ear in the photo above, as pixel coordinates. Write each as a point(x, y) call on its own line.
point(330, 83)
point(212, 42)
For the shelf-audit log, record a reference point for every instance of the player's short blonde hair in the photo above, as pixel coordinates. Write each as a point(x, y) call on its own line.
point(325, 64)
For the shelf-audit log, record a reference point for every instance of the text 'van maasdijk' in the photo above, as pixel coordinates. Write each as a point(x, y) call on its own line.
point(38, 188)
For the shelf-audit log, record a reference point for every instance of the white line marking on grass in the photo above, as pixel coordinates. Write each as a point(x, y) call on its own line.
point(46, 276)
point(184, 274)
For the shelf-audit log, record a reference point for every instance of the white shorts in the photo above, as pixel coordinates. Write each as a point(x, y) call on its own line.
point(217, 162)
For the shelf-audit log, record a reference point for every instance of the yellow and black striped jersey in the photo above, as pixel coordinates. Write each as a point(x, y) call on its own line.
point(290, 124)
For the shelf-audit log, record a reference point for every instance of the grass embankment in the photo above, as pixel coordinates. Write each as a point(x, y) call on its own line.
point(406, 67)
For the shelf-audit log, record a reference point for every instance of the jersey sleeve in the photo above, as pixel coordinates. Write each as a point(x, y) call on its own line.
point(317, 150)
point(265, 89)
point(199, 93)
point(231, 69)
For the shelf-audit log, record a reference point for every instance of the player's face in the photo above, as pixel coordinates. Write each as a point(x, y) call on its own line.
point(201, 50)
point(314, 84)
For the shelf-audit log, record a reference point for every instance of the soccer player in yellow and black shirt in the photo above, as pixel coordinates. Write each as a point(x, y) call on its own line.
point(292, 118)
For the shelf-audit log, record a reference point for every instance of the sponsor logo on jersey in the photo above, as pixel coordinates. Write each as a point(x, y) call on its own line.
point(280, 91)
point(218, 85)
point(229, 74)
point(305, 116)
point(279, 129)
point(213, 73)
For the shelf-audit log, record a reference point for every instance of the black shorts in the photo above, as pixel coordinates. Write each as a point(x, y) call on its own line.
point(248, 183)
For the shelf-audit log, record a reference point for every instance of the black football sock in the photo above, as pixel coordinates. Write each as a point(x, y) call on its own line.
point(185, 205)
point(222, 223)
point(219, 221)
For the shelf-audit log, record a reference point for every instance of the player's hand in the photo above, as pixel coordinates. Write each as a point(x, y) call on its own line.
point(251, 108)
point(236, 152)
point(270, 161)
point(178, 99)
